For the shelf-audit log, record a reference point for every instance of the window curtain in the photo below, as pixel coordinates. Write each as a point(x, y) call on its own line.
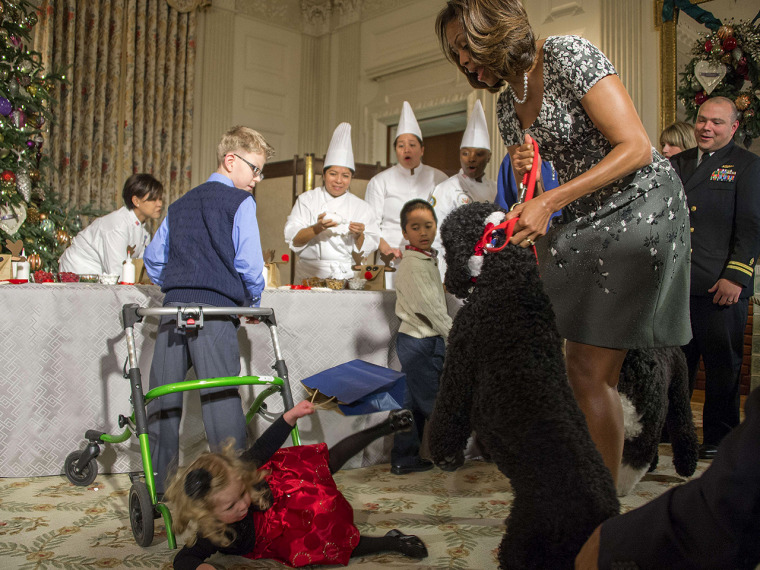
point(127, 104)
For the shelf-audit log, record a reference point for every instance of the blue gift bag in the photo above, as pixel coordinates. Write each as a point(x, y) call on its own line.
point(361, 387)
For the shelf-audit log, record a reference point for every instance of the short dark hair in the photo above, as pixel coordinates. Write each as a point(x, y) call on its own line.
point(411, 206)
point(143, 186)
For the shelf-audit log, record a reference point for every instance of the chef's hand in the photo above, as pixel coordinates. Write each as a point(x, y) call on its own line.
point(322, 225)
point(387, 250)
point(356, 228)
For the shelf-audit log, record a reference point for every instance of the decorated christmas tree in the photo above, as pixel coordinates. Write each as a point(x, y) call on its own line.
point(30, 210)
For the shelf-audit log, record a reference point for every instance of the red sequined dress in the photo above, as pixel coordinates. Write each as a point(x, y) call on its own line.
point(309, 522)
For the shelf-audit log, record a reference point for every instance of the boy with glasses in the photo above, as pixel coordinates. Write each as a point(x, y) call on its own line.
point(207, 251)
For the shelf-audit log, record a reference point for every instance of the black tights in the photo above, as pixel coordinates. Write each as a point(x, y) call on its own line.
point(374, 544)
point(346, 448)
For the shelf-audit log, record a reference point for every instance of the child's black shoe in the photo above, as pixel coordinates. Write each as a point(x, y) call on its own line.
point(408, 544)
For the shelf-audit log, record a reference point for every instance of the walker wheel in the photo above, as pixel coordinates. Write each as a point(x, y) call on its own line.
point(85, 476)
point(141, 513)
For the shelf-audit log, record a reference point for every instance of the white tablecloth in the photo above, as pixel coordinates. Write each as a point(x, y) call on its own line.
point(63, 350)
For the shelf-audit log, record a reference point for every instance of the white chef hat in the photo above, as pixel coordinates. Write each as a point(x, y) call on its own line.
point(340, 152)
point(407, 122)
point(476, 133)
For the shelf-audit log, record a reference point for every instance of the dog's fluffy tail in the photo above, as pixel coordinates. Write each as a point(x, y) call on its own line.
point(679, 418)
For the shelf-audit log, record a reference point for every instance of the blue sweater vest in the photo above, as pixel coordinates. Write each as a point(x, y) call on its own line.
point(201, 263)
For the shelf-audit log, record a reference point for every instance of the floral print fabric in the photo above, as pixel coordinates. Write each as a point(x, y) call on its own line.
point(563, 130)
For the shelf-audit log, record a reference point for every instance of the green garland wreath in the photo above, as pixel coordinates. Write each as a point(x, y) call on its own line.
point(734, 48)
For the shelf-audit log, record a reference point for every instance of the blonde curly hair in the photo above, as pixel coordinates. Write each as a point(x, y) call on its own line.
point(499, 37)
point(196, 512)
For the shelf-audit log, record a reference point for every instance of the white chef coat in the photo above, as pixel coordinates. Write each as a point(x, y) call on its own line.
point(388, 191)
point(452, 193)
point(102, 246)
point(329, 253)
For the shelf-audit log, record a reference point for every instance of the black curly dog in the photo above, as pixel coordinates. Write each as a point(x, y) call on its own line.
point(654, 389)
point(504, 377)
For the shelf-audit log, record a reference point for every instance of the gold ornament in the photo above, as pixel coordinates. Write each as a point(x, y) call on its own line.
point(62, 237)
point(34, 174)
point(43, 216)
point(726, 58)
point(725, 32)
point(33, 215)
point(32, 89)
point(35, 262)
point(742, 101)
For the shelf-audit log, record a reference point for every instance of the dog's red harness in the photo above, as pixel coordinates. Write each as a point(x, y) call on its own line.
point(527, 190)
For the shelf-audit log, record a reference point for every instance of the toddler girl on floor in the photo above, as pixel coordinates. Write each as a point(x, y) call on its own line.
point(277, 503)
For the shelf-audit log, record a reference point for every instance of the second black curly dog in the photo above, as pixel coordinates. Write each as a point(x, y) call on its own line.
point(504, 377)
point(654, 389)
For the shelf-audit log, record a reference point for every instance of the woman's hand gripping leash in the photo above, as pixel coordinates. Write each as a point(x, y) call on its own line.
point(531, 215)
point(508, 223)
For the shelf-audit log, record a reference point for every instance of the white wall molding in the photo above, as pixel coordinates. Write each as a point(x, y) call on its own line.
point(412, 61)
point(557, 9)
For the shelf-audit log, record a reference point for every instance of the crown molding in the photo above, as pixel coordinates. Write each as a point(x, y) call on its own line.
point(378, 72)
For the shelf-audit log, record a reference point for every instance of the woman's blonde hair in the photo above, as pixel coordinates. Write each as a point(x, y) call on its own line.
point(678, 134)
point(498, 35)
point(192, 491)
point(242, 138)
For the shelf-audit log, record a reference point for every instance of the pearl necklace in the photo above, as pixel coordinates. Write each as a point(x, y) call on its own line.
point(525, 90)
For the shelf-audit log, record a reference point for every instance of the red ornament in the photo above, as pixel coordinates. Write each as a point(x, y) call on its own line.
point(285, 257)
point(729, 44)
point(700, 97)
point(368, 275)
point(708, 46)
point(43, 277)
point(8, 176)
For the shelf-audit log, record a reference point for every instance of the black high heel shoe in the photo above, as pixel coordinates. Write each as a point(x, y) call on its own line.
point(400, 420)
point(408, 544)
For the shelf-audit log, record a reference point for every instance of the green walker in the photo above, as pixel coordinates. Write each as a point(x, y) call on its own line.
point(81, 468)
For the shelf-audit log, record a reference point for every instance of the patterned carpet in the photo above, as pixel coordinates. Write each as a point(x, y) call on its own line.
point(45, 522)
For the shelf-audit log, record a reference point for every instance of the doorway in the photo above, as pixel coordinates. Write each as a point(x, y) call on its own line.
point(442, 135)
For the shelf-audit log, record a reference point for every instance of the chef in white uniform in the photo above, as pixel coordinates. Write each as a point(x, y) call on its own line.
point(389, 190)
point(328, 224)
point(469, 184)
point(102, 246)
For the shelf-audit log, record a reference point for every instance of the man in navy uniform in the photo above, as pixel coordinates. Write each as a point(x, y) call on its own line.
point(722, 184)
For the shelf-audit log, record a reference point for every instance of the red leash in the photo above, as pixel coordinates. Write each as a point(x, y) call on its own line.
point(528, 189)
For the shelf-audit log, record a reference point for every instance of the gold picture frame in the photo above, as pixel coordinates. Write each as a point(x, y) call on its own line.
point(668, 63)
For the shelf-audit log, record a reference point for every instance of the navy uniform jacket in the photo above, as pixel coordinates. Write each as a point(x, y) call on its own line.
point(723, 196)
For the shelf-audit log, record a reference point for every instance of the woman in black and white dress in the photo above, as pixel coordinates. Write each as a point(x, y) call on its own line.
point(616, 264)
